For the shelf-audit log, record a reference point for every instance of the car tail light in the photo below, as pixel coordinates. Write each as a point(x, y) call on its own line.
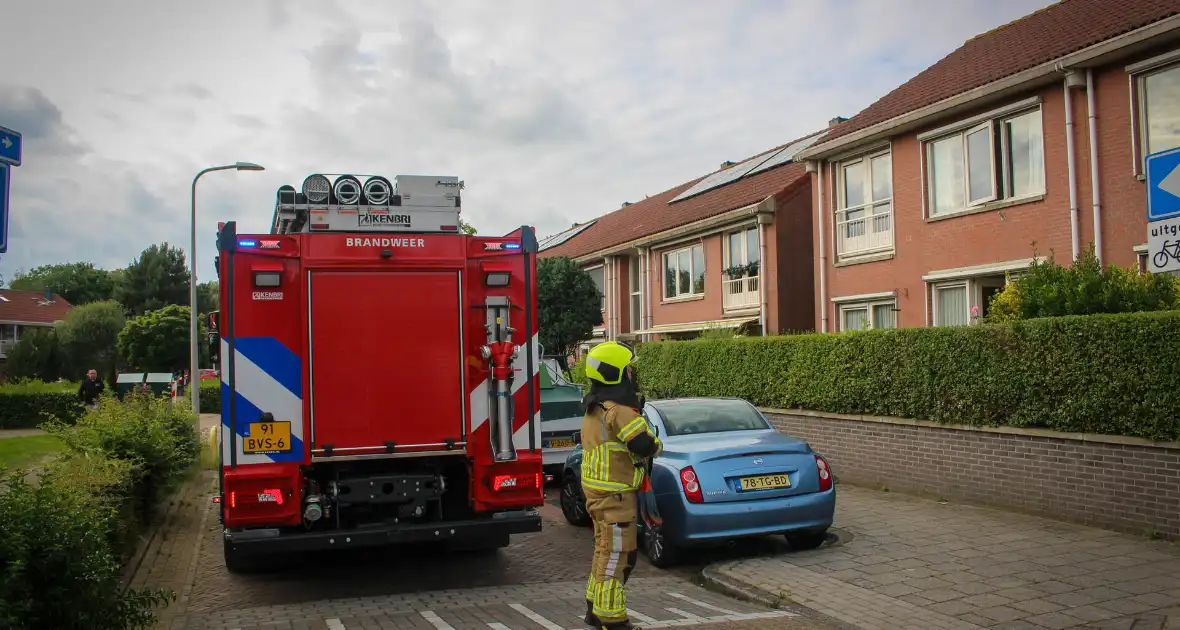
point(516, 482)
point(255, 498)
point(825, 473)
point(692, 487)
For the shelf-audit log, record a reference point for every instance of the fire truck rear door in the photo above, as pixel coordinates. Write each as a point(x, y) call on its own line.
point(386, 361)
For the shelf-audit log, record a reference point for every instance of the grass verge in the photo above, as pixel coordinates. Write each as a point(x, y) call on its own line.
point(18, 452)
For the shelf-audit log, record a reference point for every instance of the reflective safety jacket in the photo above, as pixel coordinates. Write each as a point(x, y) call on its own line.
point(615, 446)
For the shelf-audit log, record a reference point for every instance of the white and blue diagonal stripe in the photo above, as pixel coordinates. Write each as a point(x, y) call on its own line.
point(268, 377)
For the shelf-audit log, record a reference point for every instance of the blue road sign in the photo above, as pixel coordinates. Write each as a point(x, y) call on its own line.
point(5, 172)
point(10, 146)
point(1163, 185)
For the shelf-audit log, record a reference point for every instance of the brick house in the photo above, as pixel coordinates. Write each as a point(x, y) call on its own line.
point(728, 250)
point(1035, 131)
point(21, 311)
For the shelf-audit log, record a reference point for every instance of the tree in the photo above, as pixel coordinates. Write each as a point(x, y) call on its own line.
point(158, 341)
point(467, 228)
point(156, 279)
point(79, 283)
point(90, 336)
point(38, 354)
point(208, 297)
point(569, 305)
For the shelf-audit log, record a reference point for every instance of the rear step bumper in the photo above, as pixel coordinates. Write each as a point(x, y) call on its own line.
point(266, 541)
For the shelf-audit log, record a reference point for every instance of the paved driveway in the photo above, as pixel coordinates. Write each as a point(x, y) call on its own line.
point(916, 563)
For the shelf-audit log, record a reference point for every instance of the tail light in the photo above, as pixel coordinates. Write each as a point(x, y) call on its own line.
point(825, 473)
point(255, 498)
point(692, 487)
point(516, 482)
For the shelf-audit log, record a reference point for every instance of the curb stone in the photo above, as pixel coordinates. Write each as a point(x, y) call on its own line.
point(715, 580)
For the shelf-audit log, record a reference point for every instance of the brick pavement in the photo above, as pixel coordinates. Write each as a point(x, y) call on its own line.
point(919, 563)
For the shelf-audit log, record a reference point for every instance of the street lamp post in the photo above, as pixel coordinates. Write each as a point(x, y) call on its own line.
point(194, 329)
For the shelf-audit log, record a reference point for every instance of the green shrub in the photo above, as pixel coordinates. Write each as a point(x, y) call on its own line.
point(210, 396)
point(39, 355)
point(26, 404)
point(59, 569)
point(1085, 287)
point(1109, 374)
point(578, 372)
point(158, 437)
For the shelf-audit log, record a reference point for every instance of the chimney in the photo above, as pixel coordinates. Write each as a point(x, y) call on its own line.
point(726, 164)
point(835, 121)
point(626, 203)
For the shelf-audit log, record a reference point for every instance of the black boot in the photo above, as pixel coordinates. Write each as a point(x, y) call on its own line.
point(622, 625)
point(591, 619)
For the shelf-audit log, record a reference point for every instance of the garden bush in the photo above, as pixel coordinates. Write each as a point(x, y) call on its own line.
point(26, 404)
point(1110, 374)
point(156, 436)
point(60, 567)
point(210, 396)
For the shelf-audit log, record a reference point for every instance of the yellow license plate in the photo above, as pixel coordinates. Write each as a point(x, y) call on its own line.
point(561, 443)
point(267, 437)
point(765, 482)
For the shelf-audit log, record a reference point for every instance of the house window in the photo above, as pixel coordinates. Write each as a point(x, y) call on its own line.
point(1159, 109)
point(998, 159)
point(868, 315)
point(742, 249)
point(684, 272)
point(597, 274)
point(864, 220)
point(964, 302)
point(635, 284)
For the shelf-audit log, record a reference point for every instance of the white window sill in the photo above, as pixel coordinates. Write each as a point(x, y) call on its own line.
point(988, 207)
point(861, 259)
point(683, 298)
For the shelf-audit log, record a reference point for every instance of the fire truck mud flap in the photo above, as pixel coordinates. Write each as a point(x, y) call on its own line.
point(498, 527)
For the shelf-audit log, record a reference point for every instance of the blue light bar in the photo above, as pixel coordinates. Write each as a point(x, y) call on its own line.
point(511, 245)
point(248, 242)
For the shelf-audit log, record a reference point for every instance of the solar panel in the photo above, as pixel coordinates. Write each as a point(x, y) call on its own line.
point(561, 237)
point(721, 178)
point(787, 154)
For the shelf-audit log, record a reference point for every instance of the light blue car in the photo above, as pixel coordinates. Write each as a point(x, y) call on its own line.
point(725, 473)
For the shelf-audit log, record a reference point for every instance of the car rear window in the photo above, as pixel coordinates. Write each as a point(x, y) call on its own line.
point(709, 416)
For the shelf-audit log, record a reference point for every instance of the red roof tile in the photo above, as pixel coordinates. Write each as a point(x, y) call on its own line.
point(656, 214)
point(1048, 34)
point(32, 307)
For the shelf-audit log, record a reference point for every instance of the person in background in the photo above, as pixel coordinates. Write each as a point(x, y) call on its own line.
point(90, 389)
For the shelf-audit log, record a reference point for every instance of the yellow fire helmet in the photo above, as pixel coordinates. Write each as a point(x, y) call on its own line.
point(606, 361)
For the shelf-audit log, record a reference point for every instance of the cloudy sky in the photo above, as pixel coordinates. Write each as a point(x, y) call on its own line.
point(552, 112)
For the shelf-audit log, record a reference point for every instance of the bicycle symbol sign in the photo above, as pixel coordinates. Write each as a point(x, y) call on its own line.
point(1163, 245)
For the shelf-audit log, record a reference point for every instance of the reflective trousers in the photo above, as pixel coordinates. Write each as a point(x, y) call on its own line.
point(615, 553)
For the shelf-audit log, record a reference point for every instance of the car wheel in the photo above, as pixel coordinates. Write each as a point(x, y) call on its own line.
point(802, 541)
point(572, 505)
point(658, 549)
point(236, 561)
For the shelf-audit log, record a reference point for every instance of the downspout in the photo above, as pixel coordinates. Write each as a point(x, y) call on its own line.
point(762, 275)
point(650, 304)
point(1094, 184)
point(1071, 161)
point(823, 257)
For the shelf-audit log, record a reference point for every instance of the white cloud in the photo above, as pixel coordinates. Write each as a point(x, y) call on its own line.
point(551, 112)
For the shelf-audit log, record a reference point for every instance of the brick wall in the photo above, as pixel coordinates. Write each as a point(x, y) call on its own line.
point(1125, 484)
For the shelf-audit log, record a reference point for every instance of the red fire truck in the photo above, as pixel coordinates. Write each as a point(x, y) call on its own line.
point(379, 373)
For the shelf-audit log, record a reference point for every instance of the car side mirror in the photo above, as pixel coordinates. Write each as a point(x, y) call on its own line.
point(577, 437)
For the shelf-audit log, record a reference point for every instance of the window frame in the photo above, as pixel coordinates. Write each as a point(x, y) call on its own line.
point(1137, 75)
point(727, 247)
point(975, 286)
point(601, 266)
point(690, 294)
point(865, 161)
point(1000, 164)
point(869, 306)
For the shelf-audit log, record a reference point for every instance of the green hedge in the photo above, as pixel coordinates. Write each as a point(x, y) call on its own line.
point(27, 404)
point(1108, 374)
point(210, 396)
point(63, 538)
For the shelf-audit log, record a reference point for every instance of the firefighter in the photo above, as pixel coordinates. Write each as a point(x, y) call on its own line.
point(617, 447)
